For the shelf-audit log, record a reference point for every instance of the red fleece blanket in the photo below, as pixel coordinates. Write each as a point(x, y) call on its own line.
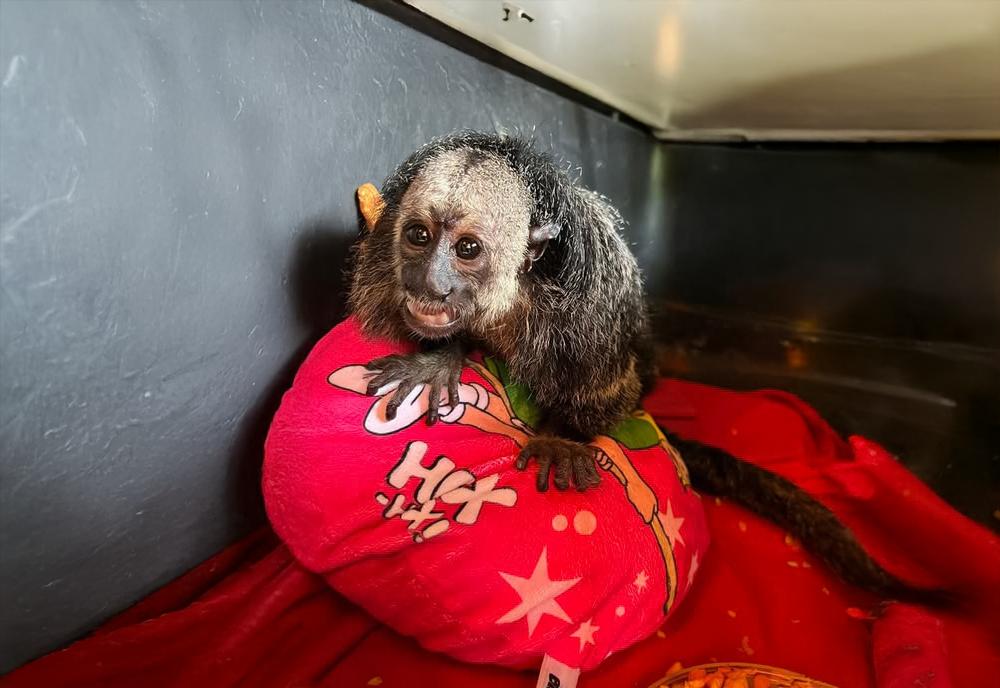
point(251, 616)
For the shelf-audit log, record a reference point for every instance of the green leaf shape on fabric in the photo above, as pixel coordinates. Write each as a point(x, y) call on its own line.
point(633, 432)
point(636, 433)
point(520, 397)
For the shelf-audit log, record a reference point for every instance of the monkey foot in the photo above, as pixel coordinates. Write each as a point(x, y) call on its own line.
point(438, 370)
point(569, 459)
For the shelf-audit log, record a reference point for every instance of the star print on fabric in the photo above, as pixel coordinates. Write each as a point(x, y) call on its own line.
point(586, 633)
point(672, 524)
point(694, 567)
point(538, 595)
point(640, 581)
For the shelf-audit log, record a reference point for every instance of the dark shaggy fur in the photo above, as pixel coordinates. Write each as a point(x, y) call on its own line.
point(577, 337)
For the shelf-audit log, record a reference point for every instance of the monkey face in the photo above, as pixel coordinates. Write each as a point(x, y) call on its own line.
point(441, 262)
point(461, 237)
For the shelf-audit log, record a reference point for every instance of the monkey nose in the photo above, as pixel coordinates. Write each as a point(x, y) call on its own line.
point(428, 293)
point(437, 295)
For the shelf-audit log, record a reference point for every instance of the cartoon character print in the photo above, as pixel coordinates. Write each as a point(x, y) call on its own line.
point(476, 406)
point(492, 411)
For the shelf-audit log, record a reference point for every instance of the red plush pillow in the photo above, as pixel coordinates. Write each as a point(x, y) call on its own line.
point(433, 531)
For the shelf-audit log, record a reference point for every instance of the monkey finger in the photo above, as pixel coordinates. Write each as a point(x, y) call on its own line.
point(542, 479)
point(584, 474)
point(378, 381)
point(523, 458)
point(564, 465)
point(580, 479)
point(433, 401)
point(591, 466)
point(398, 397)
point(453, 380)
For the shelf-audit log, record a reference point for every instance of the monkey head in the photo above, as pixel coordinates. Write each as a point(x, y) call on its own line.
point(449, 255)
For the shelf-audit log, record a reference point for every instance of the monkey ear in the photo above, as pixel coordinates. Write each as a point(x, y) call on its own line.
point(370, 204)
point(538, 240)
point(542, 233)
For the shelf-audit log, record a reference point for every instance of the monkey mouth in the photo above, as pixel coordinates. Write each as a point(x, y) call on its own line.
point(430, 316)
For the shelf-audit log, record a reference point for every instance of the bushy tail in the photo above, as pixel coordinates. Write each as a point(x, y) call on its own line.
point(716, 472)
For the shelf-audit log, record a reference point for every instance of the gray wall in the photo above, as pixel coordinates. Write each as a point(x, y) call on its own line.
point(898, 241)
point(177, 198)
point(861, 277)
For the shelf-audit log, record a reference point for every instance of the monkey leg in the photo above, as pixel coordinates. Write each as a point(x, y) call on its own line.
point(438, 369)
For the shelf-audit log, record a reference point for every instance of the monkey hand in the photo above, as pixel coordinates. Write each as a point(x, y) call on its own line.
point(570, 459)
point(438, 371)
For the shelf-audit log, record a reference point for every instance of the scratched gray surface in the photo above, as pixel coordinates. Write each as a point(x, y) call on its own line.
point(177, 198)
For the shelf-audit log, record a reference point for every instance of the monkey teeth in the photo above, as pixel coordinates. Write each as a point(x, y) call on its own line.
point(430, 314)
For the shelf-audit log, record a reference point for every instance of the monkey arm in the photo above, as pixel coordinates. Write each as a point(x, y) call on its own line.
point(576, 415)
point(593, 407)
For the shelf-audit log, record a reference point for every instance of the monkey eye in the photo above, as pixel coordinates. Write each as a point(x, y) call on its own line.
point(418, 235)
point(467, 248)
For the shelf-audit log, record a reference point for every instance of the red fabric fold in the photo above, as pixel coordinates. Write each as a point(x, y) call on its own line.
point(251, 616)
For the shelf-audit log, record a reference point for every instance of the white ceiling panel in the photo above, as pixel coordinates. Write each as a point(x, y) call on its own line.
point(761, 69)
